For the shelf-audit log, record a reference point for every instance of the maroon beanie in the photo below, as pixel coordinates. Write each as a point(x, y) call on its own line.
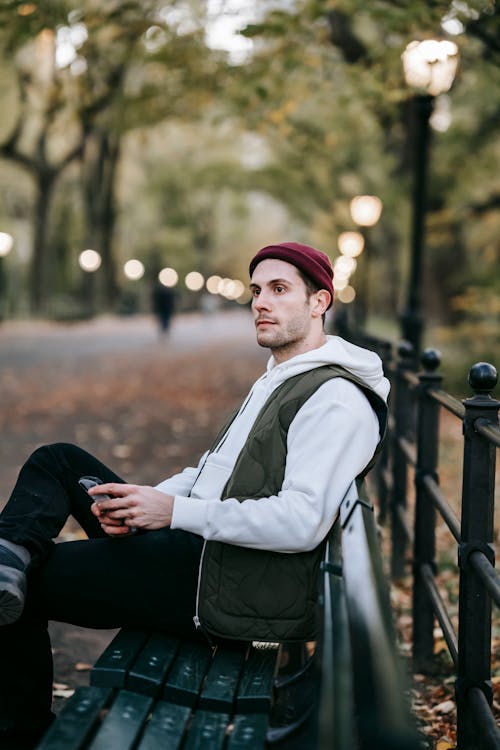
point(313, 263)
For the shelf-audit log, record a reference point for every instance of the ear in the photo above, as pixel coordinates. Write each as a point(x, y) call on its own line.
point(320, 305)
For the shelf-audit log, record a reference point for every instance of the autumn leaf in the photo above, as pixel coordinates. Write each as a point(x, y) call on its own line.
point(82, 666)
point(444, 744)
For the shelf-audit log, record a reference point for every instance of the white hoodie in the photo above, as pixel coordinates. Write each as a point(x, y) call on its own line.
point(330, 441)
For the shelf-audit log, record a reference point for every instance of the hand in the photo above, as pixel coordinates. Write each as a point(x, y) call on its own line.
point(131, 506)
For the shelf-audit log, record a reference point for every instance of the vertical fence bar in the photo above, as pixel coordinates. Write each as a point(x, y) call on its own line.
point(474, 630)
point(382, 465)
point(403, 424)
point(424, 549)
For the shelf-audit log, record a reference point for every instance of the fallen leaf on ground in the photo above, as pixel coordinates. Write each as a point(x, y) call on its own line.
point(61, 690)
point(82, 666)
point(445, 707)
point(58, 693)
point(444, 744)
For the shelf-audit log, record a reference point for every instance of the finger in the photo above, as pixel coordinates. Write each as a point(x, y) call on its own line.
point(112, 504)
point(106, 521)
point(121, 514)
point(112, 488)
point(115, 530)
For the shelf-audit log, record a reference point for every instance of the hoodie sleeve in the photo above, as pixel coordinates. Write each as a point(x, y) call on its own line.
point(330, 441)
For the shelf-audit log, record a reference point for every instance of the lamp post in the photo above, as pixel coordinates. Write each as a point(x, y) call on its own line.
point(429, 67)
point(365, 212)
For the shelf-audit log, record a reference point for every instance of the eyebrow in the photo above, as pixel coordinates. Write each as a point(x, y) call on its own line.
point(273, 281)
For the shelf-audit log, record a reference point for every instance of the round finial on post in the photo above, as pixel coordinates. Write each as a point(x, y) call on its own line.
point(405, 349)
point(482, 377)
point(430, 359)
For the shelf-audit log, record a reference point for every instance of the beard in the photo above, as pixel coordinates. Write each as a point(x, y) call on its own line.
point(284, 337)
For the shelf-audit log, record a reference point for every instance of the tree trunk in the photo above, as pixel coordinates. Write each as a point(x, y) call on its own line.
point(99, 169)
point(40, 264)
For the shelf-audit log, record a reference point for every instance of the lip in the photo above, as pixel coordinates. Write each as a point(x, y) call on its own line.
point(264, 322)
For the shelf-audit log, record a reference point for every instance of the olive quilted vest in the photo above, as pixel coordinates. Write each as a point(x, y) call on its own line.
point(251, 594)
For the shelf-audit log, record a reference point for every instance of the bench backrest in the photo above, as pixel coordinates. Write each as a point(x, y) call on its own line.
point(363, 692)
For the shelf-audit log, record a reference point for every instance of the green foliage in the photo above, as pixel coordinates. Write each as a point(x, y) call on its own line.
point(200, 145)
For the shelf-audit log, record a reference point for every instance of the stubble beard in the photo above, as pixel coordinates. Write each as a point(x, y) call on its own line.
point(282, 340)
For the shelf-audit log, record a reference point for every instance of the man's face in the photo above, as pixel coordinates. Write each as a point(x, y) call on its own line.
point(281, 308)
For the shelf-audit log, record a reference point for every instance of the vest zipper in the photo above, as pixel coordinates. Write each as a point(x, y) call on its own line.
point(196, 619)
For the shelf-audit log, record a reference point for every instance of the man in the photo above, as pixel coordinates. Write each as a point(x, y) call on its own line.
point(232, 546)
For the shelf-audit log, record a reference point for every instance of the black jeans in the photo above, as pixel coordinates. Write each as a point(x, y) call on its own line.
point(145, 580)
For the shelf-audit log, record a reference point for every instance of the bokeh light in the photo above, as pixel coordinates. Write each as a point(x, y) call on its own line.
point(344, 266)
point(6, 243)
point(134, 269)
point(213, 284)
point(366, 210)
point(346, 295)
point(168, 277)
point(194, 281)
point(351, 244)
point(89, 260)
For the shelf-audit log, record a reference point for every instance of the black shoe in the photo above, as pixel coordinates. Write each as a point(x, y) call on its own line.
point(12, 586)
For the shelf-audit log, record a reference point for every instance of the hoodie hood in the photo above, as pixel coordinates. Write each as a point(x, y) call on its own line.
point(363, 363)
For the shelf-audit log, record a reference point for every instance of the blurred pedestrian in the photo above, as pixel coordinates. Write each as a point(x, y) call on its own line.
point(163, 303)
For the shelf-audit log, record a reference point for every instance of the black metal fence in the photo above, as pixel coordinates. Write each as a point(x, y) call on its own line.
point(412, 448)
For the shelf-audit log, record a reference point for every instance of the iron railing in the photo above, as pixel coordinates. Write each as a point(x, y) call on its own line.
point(412, 448)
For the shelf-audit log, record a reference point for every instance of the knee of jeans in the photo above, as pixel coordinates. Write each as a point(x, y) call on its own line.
point(54, 448)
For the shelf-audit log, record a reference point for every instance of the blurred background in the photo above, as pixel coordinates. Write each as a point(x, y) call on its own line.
point(149, 142)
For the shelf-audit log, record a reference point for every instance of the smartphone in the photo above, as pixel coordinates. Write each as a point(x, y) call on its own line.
point(87, 482)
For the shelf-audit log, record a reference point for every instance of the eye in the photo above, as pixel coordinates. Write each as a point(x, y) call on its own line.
point(279, 288)
point(255, 291)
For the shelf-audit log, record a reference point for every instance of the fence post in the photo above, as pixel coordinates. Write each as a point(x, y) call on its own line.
point(382, 465)
point(474, 629)
point(425, 513)
point(403, 426)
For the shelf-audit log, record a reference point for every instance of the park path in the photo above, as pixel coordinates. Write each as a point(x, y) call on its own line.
point(146, 406)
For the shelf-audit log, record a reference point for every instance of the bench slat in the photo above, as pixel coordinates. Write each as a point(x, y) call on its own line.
point(219, 691)
point(149, 669)
point(256, 685)
point(124, 722)
point(188, 671)
point(249, 732)
point(166, 727)
point(111, 668)
point(77, 720)
point(207, 732)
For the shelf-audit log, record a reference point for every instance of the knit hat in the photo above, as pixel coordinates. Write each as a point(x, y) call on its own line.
point(313, 263)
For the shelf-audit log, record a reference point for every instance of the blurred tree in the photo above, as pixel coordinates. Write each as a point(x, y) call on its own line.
point(336, 113)
point(31, 44)
point(107, 67)
point(315, 114)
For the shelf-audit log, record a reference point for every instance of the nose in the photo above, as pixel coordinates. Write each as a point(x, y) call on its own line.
point(262, 302)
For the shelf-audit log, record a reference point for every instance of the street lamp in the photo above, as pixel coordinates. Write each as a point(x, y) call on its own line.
point(365, 212)
point(429, 67)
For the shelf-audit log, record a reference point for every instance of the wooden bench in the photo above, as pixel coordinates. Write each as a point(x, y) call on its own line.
point(159, 691)
point(151, 691)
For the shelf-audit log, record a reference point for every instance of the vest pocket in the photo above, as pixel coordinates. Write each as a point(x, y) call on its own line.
point(263, 585)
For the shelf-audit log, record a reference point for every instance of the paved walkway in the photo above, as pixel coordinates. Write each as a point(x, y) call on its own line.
point(28, 343)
